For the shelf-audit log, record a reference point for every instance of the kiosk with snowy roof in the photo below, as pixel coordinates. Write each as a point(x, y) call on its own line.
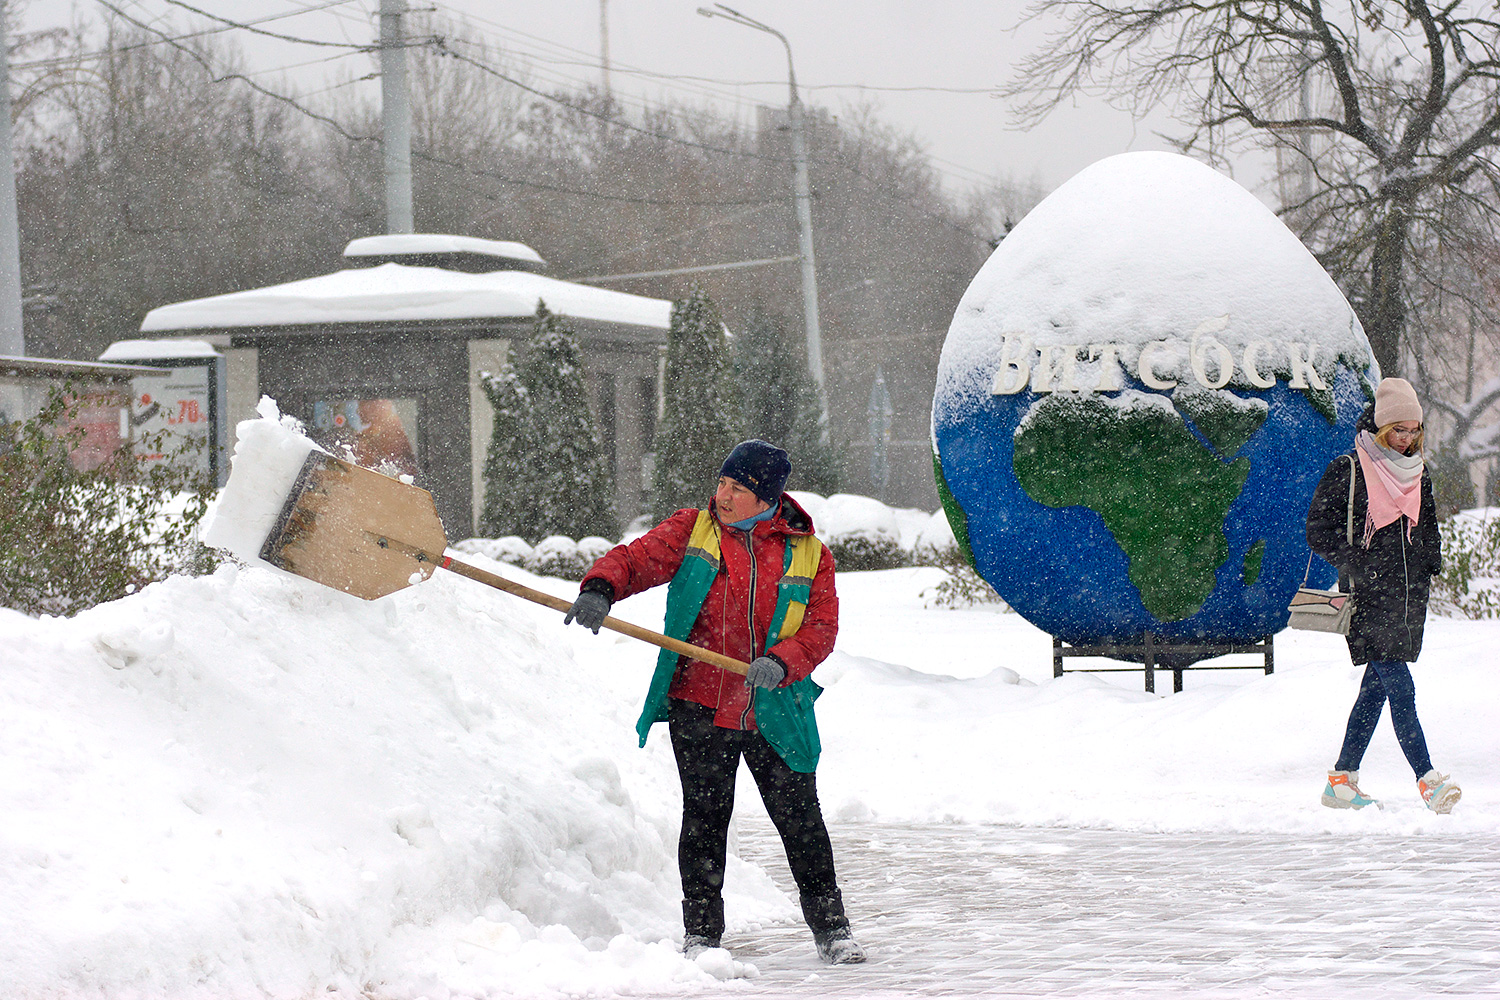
point(1136, 398)
point(388, 353)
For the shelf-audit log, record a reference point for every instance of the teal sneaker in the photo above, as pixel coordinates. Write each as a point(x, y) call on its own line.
point(1439, 791)
point(1342, 792)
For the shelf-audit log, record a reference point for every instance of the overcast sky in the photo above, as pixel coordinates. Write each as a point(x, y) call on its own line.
point(949, 53)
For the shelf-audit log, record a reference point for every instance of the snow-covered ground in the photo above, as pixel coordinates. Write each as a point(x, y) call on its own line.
point(248, 784)
point(251, 785)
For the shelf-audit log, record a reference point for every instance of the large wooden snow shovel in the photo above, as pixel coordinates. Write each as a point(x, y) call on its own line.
point(369, 535)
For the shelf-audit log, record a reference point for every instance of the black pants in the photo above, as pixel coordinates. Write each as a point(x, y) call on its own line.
point(708, 758)
point(1385, 680)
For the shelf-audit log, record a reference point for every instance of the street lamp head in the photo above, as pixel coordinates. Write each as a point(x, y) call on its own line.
point(706, 12)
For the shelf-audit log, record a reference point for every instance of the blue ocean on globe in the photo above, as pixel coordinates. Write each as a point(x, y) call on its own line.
point(1063, 570)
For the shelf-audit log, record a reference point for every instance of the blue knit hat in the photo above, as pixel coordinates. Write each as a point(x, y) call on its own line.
point(761, 466)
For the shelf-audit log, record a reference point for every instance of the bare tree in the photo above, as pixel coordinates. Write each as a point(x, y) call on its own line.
point(1388, 108)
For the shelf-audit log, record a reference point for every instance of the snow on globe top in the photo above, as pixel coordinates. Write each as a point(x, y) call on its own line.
point(1137, 395)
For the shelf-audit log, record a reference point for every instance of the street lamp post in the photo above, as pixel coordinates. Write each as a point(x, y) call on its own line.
point(803, 194)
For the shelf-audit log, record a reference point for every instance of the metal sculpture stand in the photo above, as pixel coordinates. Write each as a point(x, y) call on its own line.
point(1155, 653)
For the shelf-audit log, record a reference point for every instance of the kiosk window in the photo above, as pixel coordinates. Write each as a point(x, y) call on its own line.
point(380, 434)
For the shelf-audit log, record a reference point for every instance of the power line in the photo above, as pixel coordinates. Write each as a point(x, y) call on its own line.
point(805, 86)
point(580, 57)
point(443, 49)
point(216, 77)
point(563, 189)
point(874, 186)
point(269, 34)
point(721, 221)
point(549, 44)
point(338, 127)
point(101, 53)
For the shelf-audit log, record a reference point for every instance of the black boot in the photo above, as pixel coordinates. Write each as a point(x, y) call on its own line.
point(702, 925)
point(830, 928)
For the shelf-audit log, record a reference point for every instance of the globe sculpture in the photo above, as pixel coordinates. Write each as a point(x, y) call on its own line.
point(1136, 398)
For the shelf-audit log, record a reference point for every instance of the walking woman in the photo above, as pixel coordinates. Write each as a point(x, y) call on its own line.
point(1394, 552)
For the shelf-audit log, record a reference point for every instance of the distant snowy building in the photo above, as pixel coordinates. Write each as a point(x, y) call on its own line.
point(387, 354)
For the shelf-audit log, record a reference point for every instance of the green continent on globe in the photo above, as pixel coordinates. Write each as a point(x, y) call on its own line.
point(1225, 420)
point(1162, 495)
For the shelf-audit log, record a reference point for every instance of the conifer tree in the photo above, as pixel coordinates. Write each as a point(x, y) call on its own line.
point(702, 418)
point(567, 474)
point(508, 497)
point(781, 401)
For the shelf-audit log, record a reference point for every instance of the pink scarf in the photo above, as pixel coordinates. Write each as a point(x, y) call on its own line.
point(1393, 482)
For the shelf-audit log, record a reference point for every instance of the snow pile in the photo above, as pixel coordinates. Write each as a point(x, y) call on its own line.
point(861, 532)
point(846, 515)
point(813, 503)
point(249, 784)
point(591, 547)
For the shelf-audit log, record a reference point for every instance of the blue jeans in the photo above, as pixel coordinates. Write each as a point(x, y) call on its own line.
point(1385, 680)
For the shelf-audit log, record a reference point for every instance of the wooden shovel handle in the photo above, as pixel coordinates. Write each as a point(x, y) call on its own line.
point(560, 604)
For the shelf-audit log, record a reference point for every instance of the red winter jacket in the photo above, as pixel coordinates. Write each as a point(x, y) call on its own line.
point(723, 624)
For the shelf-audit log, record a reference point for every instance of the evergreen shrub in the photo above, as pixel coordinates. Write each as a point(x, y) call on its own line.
point(781, 400)
point(510, 507)
point(701, 422)
point(545, 471)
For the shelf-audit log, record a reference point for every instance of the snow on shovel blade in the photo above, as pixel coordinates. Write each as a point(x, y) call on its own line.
point(355, 530)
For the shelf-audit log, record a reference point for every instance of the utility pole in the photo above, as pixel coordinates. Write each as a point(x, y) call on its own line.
point(604, 44)
point(12, 332)
point(395, 114)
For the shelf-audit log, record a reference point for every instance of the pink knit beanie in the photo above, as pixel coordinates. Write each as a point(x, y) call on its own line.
point(1395, 401)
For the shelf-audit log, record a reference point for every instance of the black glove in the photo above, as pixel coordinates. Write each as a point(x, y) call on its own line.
point(765, 671)
point(591, 608)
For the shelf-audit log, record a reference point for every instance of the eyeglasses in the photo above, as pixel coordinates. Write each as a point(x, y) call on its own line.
point(1408, 432)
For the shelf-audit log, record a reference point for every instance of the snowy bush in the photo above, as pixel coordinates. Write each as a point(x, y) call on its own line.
point(71, 538)
point(592, 547)
point(934, 544)
point(813, 504)
point(963, 587)
point(910, 522)
point(558, 555)
point(511, 549)
point(1469, 585)
point(862, 533)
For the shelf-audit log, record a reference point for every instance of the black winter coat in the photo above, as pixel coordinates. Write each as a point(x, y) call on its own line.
point(1389, 580)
